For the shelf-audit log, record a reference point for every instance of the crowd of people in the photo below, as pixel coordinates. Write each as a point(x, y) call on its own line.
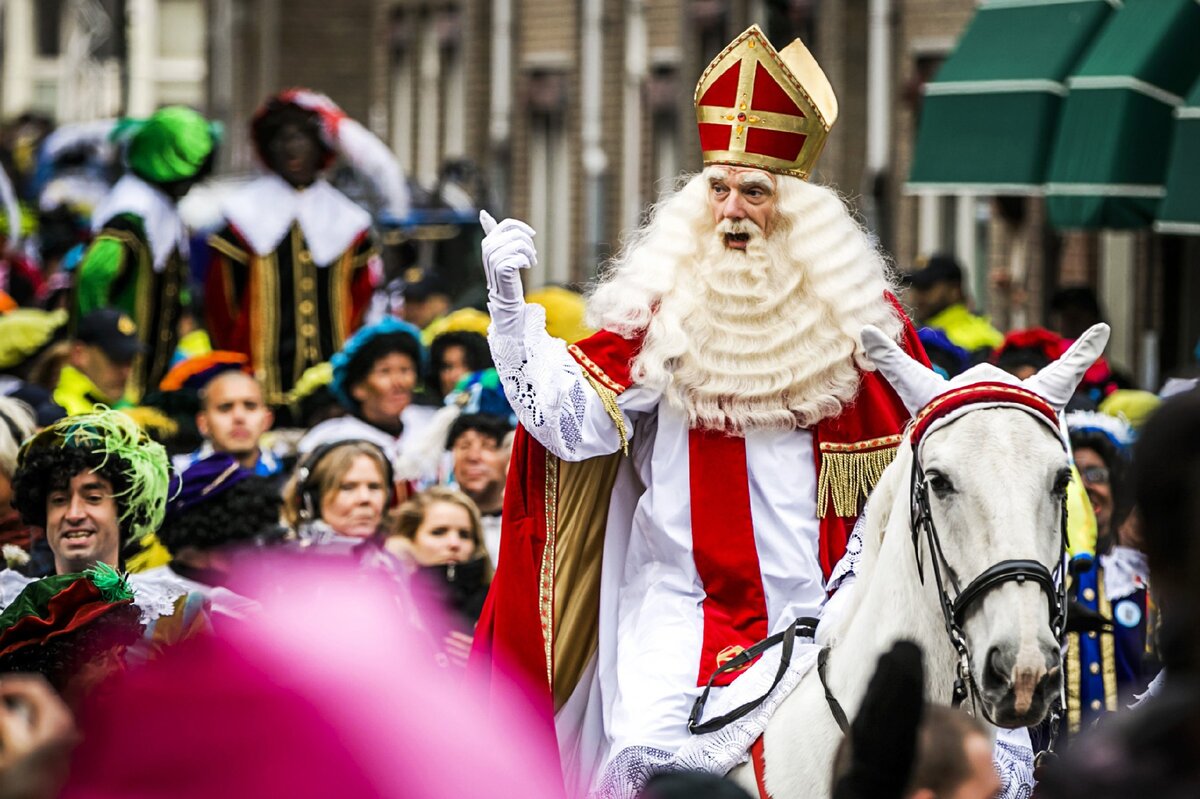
point(195, 424)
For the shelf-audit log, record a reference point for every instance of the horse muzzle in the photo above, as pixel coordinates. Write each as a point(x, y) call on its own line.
point(1018, 688)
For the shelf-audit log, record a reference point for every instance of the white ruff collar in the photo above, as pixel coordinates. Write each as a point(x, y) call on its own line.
point(164, 228)
point(263, 213)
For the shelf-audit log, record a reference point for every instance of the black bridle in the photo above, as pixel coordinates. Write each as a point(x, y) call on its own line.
point(954, 609)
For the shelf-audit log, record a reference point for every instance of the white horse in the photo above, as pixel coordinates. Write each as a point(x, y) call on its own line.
point(996, 475)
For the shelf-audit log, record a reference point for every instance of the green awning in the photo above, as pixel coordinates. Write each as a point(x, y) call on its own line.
point(1110, 153)
point(1180, 210)
point(988, 119)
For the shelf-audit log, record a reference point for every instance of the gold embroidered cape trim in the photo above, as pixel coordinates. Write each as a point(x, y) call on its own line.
point(849, 471)
point(592, 368)
point(546, 577)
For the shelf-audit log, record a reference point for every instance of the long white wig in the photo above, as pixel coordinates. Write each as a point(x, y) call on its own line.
point(766, 338)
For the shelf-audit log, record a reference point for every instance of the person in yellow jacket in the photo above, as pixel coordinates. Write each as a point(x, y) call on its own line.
point(936, 291)
point(100, 362)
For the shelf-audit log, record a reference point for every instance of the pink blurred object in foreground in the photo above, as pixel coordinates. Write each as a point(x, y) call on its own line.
point(327, 693)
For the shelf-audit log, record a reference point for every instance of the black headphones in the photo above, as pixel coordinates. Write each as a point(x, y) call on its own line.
point(306, 487)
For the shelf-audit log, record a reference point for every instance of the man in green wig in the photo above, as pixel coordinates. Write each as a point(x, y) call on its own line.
point(93, 482)
point(138, 260)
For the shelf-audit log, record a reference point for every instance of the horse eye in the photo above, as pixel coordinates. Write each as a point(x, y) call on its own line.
point(1061, 482)
point(940, 484)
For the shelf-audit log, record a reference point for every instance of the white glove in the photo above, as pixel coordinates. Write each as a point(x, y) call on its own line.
point(507, 249)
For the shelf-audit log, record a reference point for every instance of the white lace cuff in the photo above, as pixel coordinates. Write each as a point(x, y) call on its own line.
point(544, 385)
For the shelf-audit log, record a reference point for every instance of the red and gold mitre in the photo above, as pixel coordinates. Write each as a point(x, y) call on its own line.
point(764, 109)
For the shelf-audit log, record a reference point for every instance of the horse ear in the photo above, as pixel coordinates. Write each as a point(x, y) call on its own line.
point(1057, 382)
point(914, 382)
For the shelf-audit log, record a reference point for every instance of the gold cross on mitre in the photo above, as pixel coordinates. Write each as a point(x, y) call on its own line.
point(764, 109)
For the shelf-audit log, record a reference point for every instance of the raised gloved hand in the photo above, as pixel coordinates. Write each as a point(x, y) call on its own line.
point(507, 249)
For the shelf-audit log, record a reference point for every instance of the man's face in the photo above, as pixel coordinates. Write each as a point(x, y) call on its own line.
point(234, 415)
point(738, 195)
point(82, 526)
point(295, 155)
point(931, 301)
point(109, 376)
point(387, 389)
point(478, 464)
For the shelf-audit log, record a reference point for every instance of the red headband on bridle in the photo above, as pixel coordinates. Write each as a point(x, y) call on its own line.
point(996, 394)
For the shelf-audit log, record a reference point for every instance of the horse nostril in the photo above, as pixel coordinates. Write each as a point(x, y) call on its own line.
point(998, 672)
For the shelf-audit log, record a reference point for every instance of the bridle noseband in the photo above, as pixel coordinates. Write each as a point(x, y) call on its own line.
point(955, 609)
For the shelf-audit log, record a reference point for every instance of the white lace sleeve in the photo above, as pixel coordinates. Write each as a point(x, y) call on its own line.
point(549, 393)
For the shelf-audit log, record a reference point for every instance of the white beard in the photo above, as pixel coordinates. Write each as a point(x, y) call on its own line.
point(760, 339)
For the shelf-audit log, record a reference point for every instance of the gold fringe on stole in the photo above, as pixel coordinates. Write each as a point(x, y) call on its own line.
point(850, 471)
point(546, 579)
point(609, 398)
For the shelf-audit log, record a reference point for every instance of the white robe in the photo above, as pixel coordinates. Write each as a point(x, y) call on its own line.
point(638, 696)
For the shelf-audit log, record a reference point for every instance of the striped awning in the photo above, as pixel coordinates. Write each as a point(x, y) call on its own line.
point(988, 118)
point(1109, 161)
point(1180, 210)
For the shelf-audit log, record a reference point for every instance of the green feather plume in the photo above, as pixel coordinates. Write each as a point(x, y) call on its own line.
point(109, 582)
point(113, 433)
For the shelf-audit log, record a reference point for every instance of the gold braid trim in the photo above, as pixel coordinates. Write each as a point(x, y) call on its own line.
point(850, 471)
point(546, 581)
point(609, 398)
point(1074, 693)
point(228, 250)
point(1108, 643)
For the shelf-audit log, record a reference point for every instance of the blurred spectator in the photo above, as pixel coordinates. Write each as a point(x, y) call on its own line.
point(946, 357)
point(1155, 749)
point(16, 425)
point(1025, 352)
point(477, 443)
point(232, 419)
point(1074, 309)
point(140, 244)
point(899, 747)
point(37, 734)
point(218, 509)
point(1107, 623)
point(452, 356)
point(32, 350)
point(339, 490)
point(439, 531)
point(426, 298)
point(936, 291)
point(292, 241)
point(1131, 406)
point(374, 377)
point(101, 360)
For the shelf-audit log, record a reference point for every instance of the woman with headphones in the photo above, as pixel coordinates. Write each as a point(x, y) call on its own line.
point(341, 489)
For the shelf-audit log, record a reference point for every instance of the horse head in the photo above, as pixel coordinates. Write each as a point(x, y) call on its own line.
point(990, 470)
